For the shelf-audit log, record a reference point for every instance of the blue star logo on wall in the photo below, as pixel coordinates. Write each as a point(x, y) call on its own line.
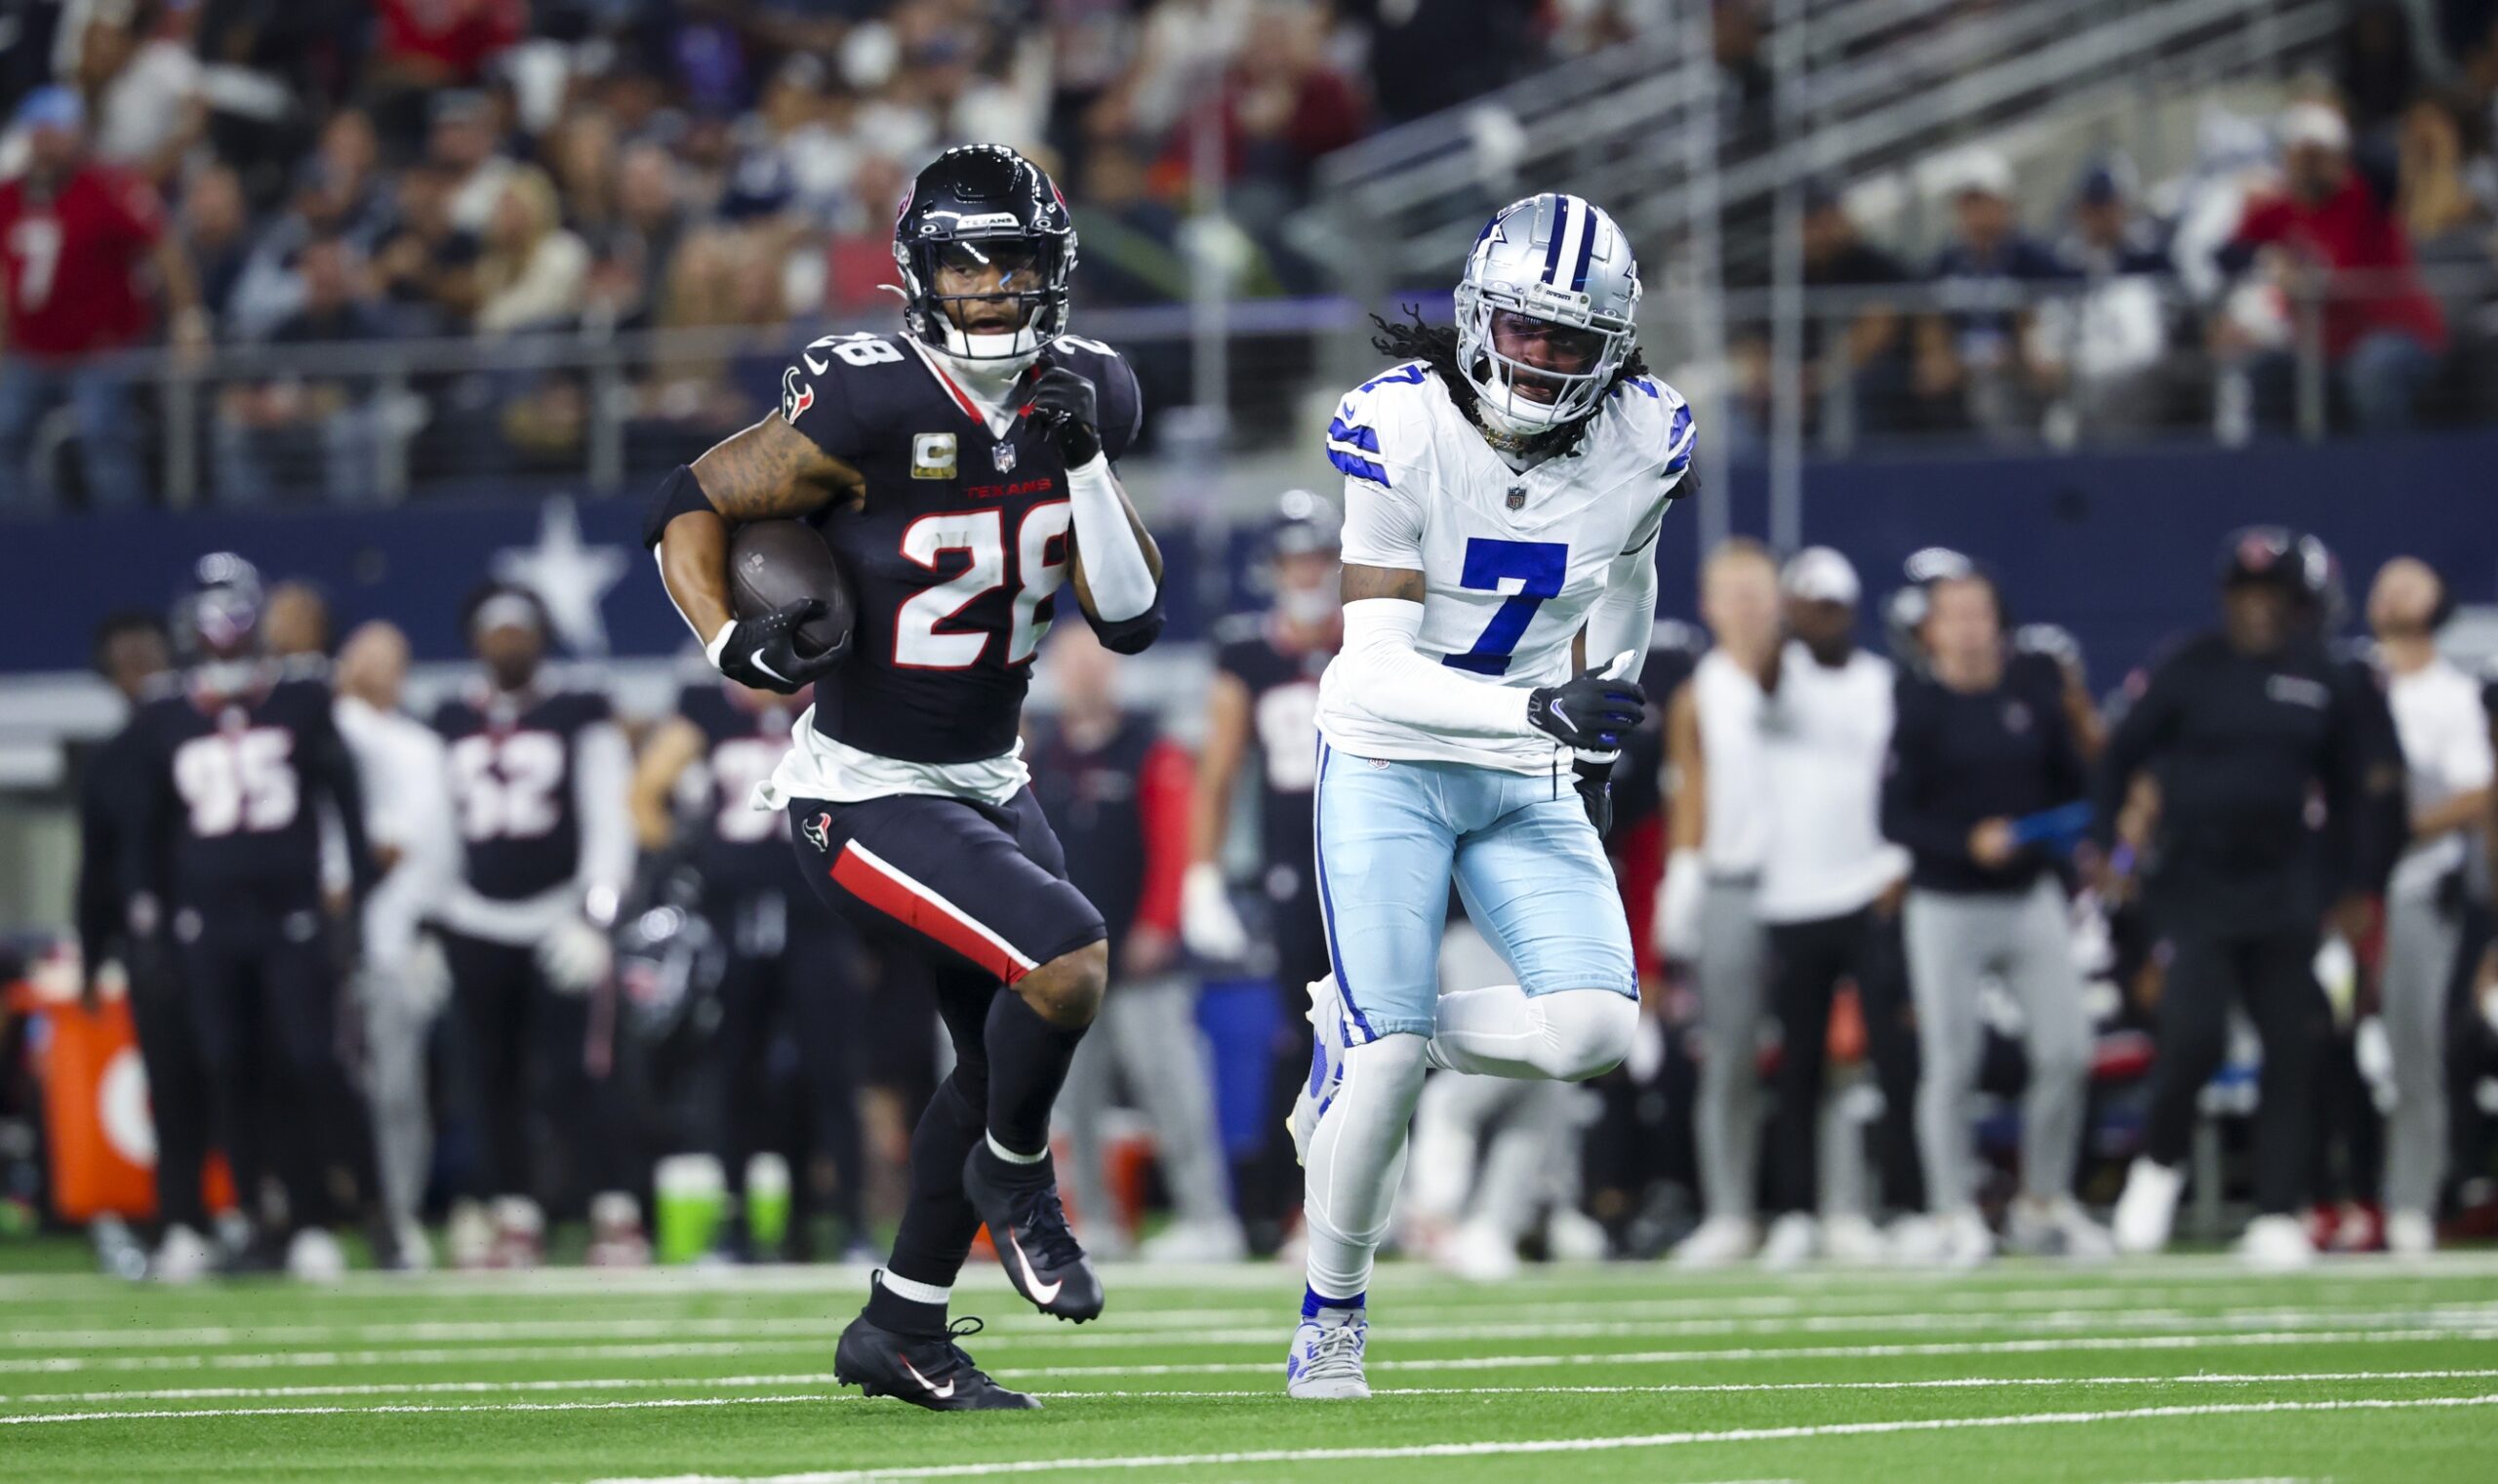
point(571, 577)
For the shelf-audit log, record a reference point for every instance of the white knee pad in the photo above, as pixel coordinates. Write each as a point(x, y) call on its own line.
point(1587, 1031)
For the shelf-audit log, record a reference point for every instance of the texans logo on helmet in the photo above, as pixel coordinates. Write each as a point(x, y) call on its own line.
point(795, 399)
point(819, 832)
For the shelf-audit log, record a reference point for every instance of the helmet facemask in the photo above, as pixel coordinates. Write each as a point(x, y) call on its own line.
point(1031, 292)
point(1539, 358)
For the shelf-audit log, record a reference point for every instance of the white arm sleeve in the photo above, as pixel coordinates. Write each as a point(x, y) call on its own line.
point(1623, 615)
point(1392, 680)
point(602, 772)
point(1115, 570)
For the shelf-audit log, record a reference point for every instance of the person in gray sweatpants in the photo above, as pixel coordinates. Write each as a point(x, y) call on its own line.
point(2447, 764)
point(1705, 915)
point(1983, 741)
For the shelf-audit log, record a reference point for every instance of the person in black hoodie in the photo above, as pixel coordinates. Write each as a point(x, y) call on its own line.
point(2238, 728)
point(1982, 745)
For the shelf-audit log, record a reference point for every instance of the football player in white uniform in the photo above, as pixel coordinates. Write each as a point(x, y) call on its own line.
point(1504, 489)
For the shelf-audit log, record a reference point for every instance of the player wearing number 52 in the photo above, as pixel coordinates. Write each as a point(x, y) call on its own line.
point(1504, 489)
point(960, 471)
point(539, 773)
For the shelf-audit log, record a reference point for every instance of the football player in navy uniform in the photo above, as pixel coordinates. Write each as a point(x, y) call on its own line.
point(538, 780)
point(961, 472)
point(240, 767)
point(792, 966)
point(1264, 698)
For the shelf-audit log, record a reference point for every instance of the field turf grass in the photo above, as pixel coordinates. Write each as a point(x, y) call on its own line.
point(2182, 1370)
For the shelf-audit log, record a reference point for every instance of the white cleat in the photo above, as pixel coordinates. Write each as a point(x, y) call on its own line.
point(1962, 1239)
point(1718, 1242)
point(1571, 1235)
point(1478, 1254)
point(2276, 1244)
point(1326, 1064)
point(1325, 1363)
point(315, 1257)
point(468, 1237)
point(2410, 1233)
point(2057, 1229)
point(1202, 1241)
point(1854, 1241)
point(1793, 1241)
point(183, 1255)
point(2147, 1208)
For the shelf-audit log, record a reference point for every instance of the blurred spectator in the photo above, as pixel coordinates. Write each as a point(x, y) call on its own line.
point(1092, 44)
point(2382, 333)
point(1429, 55)
point(2448, 220)
point(1866, 345)
point(1980, 279)
point(215, 220)
point(1284, 104)
point(2378, 73)
point(861, 255)
point(426, 265)
point(533, 271)
point(2103, 345)
point(636, 245)
point(74, 237)
point(1131, 253)
point(136, 62)
point(292, 430)
point(462, 143)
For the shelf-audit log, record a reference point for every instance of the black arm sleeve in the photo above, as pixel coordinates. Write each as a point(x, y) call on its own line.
point(2136, 739)
point(678, 495)
point(330, 770)
point(1906, 775)
point(1132, 636)
point(101, 872)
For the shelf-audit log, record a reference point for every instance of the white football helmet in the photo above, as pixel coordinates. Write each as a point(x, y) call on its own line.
point(1552, 268)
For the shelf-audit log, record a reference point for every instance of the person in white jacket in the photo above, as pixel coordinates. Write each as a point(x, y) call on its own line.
point(401, 981)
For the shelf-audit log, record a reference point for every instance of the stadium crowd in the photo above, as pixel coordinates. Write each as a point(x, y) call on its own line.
point(212, 176)
point(1930, 943)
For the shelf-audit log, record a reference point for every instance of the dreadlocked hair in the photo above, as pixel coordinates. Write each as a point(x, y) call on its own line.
point(1435, 347)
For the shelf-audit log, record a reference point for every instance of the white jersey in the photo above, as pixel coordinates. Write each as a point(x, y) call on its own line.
point(1825, 733)
point(1727, 701)
point(2445, 750)
point(1511, 560)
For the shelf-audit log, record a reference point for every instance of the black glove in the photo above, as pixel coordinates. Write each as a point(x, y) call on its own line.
point(1589, 713)
point(1069, 412)
point(1594, 782)
point(763, 653)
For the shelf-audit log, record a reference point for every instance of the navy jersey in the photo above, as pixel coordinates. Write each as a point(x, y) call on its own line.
point(229, 780)
point(513, 762)
point(1283, 724)
point(1959, 758)
point(1120, 809)
point(741, 850)
point(957, 551)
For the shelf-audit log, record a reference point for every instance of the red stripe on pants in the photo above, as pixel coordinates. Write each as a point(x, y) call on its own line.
point(898, 900)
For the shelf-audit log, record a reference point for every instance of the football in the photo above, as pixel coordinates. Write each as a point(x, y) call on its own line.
point(774, 563)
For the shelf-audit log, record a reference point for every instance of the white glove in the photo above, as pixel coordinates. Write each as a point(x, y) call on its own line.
point(574, 956)
point(1208, 925)
point(1676, 925)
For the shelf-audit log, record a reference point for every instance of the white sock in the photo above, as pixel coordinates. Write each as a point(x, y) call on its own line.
point(1504, 1032)
point(916, 1293)
point(1357, 1156)
point(1013, 1158)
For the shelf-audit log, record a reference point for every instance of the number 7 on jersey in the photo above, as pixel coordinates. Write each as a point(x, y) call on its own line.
point(1539, 569)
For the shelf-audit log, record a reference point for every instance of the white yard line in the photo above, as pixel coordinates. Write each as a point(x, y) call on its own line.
point(32, 1418)
point(1560, 1445)
point(827, 1378)
point(690, 1349)
point(828, 1327)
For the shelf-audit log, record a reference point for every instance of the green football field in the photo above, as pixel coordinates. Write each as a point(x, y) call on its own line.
point(2187, 1369)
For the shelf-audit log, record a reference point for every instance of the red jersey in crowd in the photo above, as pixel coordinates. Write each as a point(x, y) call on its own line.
point(458, 36)
point(2354, 231)
point(69, 261)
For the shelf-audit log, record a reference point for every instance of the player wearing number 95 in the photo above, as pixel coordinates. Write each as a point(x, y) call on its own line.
point(1504, 490)
point(961, 472)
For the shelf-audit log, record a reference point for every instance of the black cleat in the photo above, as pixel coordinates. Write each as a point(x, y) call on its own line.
point(925, 1371)
point(1029, 1228)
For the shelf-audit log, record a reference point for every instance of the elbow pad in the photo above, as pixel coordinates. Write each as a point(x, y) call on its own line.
point(679, 494)
point(1131, 636)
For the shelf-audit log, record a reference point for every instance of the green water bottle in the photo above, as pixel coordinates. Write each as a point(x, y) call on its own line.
point(692, 1197)
point(767, 1203)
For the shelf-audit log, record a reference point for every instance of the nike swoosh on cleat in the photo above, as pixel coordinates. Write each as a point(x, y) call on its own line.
point(1043, 1293)
point(941, 1393)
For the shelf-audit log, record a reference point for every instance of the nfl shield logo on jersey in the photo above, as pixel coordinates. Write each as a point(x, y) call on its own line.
point(1517, 496)
point(1004, 454)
